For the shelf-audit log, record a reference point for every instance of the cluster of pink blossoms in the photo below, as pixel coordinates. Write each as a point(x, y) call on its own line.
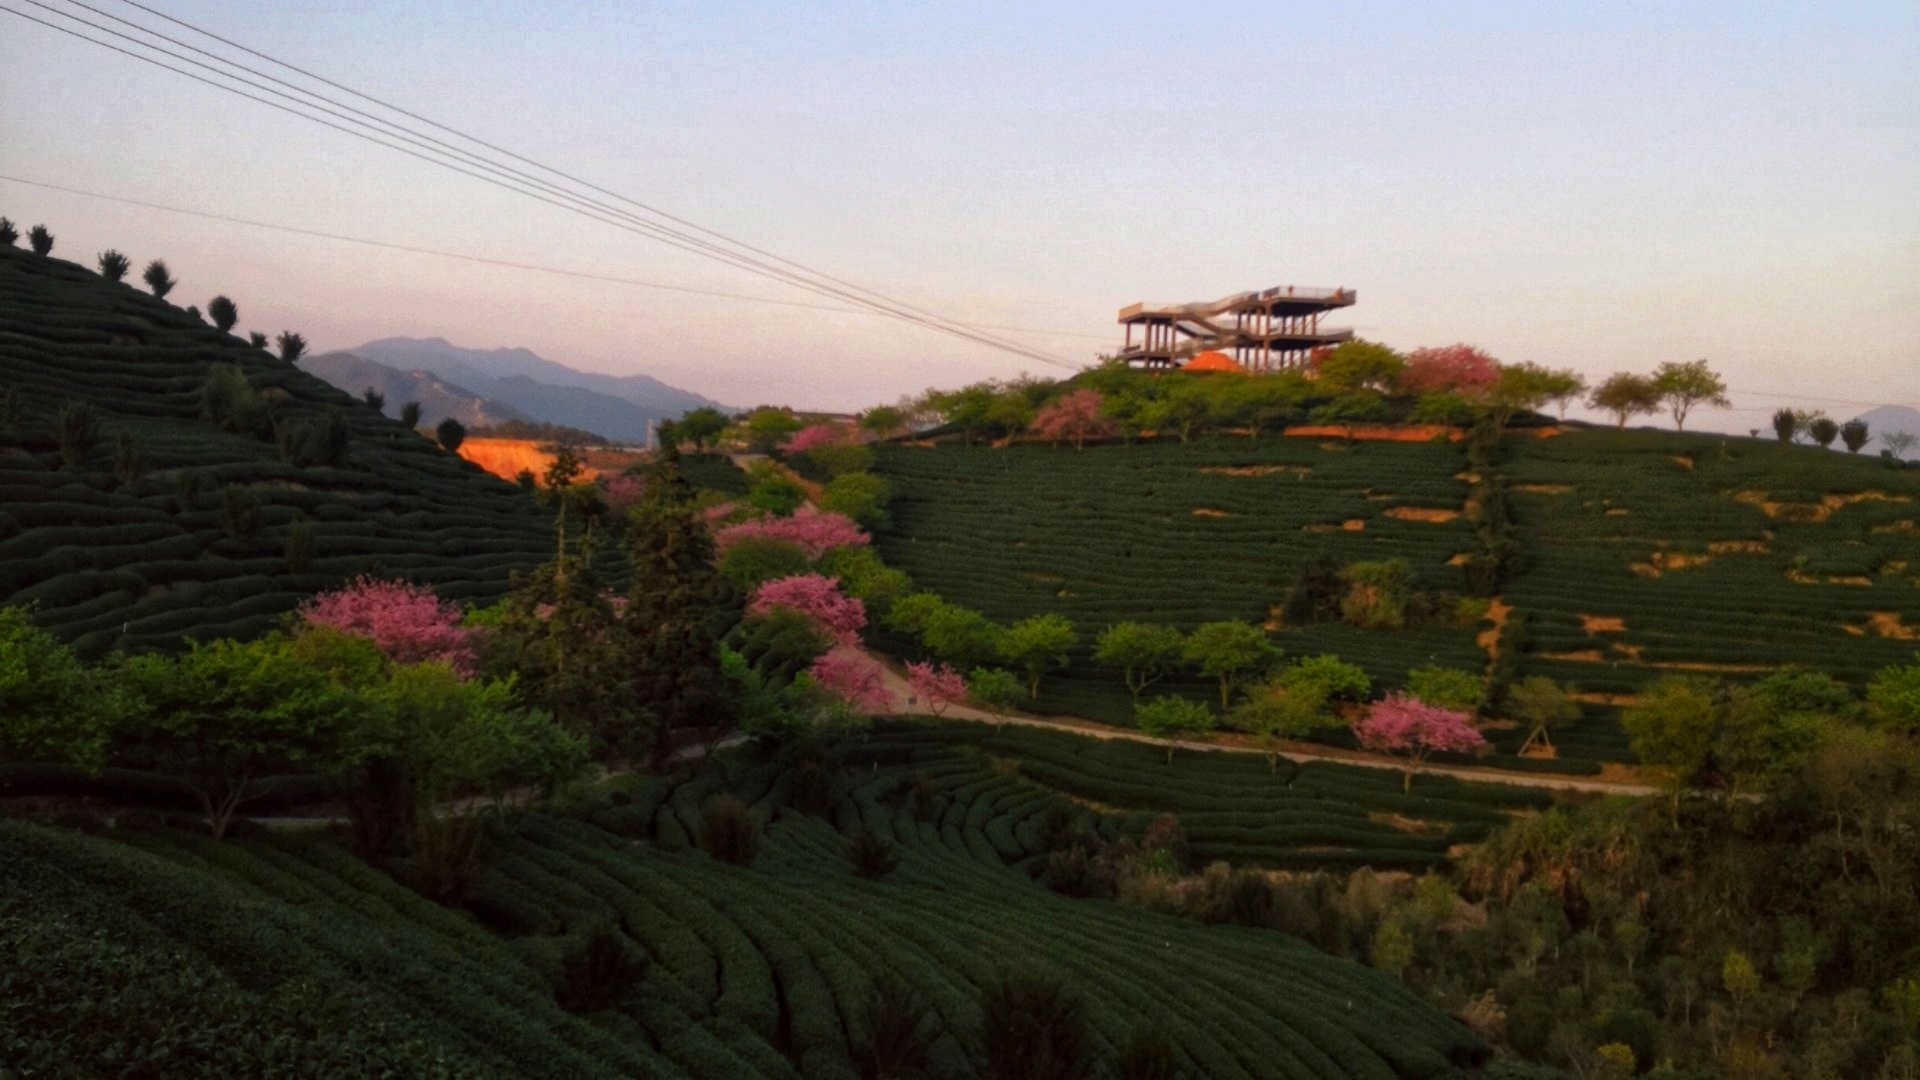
point(938, 687)
point(854, 679)
point(815, 435)
point(819, 598)
point(812, 531)
point(408, 622)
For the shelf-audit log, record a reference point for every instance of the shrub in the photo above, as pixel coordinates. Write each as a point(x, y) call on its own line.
point(40, 239)
point(223, 312)
point(901, 1028)
point(752, 561)
point(599, 973)
point(861, 496)
point(256, 339)
point(113, 265)
point(872, 857)
point(1377, 594)
point(1082, 873)
point(158, 279)
point(1823, 430)
point(1035, 1029)
point(228, 399)
point(451, 434)
point(79, 431)
point(8, 233)
point(1786, 424)
point(375, 400)
point(410, 415)
point(1448, 688)
point(728, 831)
point(291, 346)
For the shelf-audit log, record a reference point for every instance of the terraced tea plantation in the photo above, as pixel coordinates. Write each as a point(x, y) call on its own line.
point(765, 970)
point(209, 533)
point(1181, 535)
point(1650, 552)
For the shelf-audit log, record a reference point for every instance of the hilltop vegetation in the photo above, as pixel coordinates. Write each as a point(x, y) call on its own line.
point(160, 478)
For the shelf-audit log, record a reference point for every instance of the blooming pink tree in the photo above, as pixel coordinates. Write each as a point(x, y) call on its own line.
point(1075, 416)
point(622, 491)
point(853, 680)
point(408, 622)
point(1458, 369)
point(814, 435)
point(819, 598)
point(1410, 729)
point(813, 531)
point(938, 687)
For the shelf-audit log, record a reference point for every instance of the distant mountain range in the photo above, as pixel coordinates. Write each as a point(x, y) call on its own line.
point(621, 407)
point(438, 399)
point(1888, 418)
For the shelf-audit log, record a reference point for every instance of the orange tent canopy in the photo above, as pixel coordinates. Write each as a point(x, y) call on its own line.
point(1214, 361)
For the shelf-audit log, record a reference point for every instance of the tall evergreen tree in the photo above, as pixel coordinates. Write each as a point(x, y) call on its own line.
point(673, 610)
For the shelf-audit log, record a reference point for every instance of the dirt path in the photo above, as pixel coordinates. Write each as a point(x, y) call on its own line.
point(906, 705)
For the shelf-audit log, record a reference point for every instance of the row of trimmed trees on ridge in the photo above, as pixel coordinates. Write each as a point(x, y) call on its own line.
point(1789, 425)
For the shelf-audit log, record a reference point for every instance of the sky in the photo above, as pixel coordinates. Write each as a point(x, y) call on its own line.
point(1603, 187)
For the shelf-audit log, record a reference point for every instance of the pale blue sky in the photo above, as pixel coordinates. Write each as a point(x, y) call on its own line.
point(1603, 188)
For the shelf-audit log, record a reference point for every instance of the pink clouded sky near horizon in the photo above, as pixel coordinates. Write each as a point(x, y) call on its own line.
point(1602, 188)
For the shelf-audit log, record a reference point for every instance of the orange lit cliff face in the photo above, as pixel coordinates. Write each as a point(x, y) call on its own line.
point(506, 458)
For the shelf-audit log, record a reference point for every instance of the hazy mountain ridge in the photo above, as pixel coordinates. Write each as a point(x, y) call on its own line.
point(438, 399)
point(1890, 418)
point(621, 407)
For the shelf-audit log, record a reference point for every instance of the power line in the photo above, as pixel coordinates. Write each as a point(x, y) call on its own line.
point(573, 202)
point(486, 260)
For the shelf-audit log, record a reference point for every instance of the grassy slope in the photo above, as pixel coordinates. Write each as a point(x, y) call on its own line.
point(1113, 533)
point(759, 971)
point(114, 565)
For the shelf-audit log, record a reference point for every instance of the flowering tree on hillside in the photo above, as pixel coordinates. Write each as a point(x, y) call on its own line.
point(1458, 369)
point(819, 598)
point(1075, 416)
point(813, 531)
point(853, 680)
point(816, 435)
point(408, 622)
point(622, 491)
point(938, 687)
point(1412, 730)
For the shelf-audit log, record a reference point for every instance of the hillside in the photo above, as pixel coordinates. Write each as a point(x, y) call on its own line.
point(167, 523)
point(1640, 554)
point(438, 399)
point(766, 969)
point(620, 407)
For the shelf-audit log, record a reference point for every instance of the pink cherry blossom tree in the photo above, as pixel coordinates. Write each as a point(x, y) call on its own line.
point(1410, 729)
point(1075, 416)
point(814, 435)
point(1458, 369)
point(853, 680)
point(819, 598)
point(813, 531)
point(408, 622)
point(622, 491)
point(939, 687)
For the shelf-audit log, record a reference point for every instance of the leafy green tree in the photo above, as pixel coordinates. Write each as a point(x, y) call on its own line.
point(54, 709)
point(1562, 387)
point(291, 345)
point(842, 457)
point(40, 239)
point(1523, 387)
point(1391, 949)
point(451, 434)
point(1036, 645)
point(223, 312)
point(1625, 395)
point(1898, 443)
point(1377, 594)
point(883, 421)
point(410, 415)
point(225, 715)
point(961, 636)
point(1142, 651)
point(865, 577)
point(158, 278)
point(1349, 410)
point(1893, 697)
point(1327, 676)
point(1786, 424)
point(1449, 688)
point(1854, 435)
point(1274, 713)
point(997, 692)
point(702, 426)
point(8, 233)
point(766, 428)
point(756, 559)
point(770, 489)
point(1683, 387)
point(673, 609)
point(1231, 652)
point(1171, 719)
point(1823, 431)
point(1360, 365)
point(1671, 726)
point(1541, 705)
point(113, 265)
point(914, 612)
point(861, 496)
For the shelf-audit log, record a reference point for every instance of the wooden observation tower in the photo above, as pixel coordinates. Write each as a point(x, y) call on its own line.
point(1262, 331)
